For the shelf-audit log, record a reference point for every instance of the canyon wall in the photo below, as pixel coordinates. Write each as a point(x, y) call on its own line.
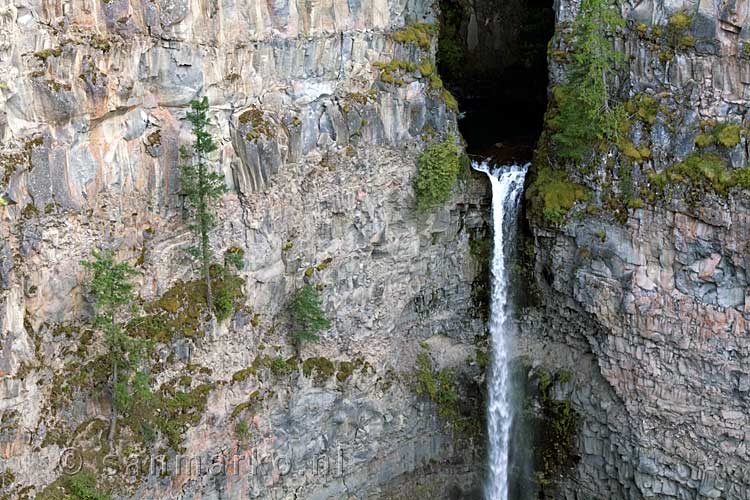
point(319, 151)
point(645, 278)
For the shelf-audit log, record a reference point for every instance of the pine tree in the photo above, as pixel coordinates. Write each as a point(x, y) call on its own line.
point(585, 112)
point(113, 295)
point(201, 187)
point(308, 319)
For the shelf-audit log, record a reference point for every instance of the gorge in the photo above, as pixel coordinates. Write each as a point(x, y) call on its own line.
point(340, 132)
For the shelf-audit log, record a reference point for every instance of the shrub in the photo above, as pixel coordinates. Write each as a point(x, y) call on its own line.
point(308, 319)
point(82, 486)
point(439, 165)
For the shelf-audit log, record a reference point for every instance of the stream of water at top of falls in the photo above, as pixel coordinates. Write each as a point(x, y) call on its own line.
point(507, 186)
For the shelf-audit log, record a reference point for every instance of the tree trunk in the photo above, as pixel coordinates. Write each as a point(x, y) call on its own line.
point(205, 253)
point(113, 420)
point(207, 267)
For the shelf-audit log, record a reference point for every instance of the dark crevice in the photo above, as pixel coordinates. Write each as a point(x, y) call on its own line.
point(492, 55)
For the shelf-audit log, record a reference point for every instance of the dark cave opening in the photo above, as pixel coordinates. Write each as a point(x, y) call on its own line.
point(492, 55)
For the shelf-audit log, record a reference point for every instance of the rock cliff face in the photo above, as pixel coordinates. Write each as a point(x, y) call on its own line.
point(319, 153)
point(645, 281)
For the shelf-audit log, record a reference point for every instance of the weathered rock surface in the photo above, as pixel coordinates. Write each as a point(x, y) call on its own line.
point(653, 312)
point(320, 155)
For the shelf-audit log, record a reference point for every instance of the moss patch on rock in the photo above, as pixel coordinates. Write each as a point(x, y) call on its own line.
point(553, 195)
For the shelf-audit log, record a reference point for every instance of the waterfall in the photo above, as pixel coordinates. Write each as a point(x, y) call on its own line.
point(507, 186)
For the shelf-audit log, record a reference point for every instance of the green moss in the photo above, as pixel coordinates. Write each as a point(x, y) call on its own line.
point(628, 149)
point(181, 311)
point(704, 140)
point(259, 126)
point(727, 134)
point(243, 374)
point(678, 22)
point(7, 478)
point(251, 404)
point(480, 249)
point(686, 41)
point(320, 368)
point(171, 412)
point(643, 107)
point(666, 56)
point(635, 203)
point(558, 423)
point(100, 43)
point(80, 486)
point(346, 369)
point(425, 68)
point(450, 101)
point(242, 431)
point(438, 169)
point(30, 211)
point(390, 71)
point(440, 388)
point(418, 33)
point(554, 194)
point(45, 54)
point(707, 170)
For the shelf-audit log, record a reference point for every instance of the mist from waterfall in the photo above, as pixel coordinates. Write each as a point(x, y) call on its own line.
point(507, 186)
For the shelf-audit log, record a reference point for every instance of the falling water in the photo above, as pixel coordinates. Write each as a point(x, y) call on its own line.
point(507, 185)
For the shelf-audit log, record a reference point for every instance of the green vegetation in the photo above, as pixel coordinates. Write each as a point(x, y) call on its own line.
point(644, 107)
point(677, 26)
point(201, 187)
point(45, 54)
point(727, 134)
point(558, 426)
point(181, 310)
point(80, 486)
point(583, 114)
point(704, 140)
point(418, 33)
point(554, 193)
point(709, 170)
point(439, 165)
point(450, 54)
point(242, 431)
point(169, 411)
point(390, 72)
point(321, 368)
point(234, 257)
point(113, 296)
point(307, 317)
point(260, 127)
point(439, 387)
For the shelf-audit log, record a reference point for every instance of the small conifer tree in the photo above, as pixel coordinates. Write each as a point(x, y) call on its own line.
point(201, 187)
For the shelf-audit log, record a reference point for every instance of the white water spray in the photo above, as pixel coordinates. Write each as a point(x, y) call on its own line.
point(507, 186)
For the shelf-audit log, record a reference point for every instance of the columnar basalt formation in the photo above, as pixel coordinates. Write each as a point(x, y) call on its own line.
point(646, 277)
point(317, 141)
